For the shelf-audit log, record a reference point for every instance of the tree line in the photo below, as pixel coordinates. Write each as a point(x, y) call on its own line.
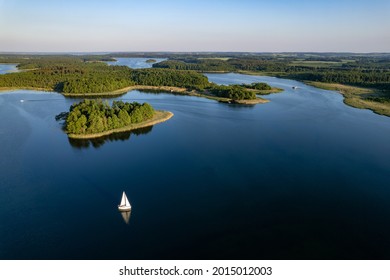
point(169, 77)
point(97, 77)
point(375, 79)
point(362, 71)
point(257, 86)
point(74, 74)
point(235, 92)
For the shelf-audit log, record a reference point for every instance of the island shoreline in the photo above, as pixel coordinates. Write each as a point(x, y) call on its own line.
point(351, 94)
point(159, 117)
point(168, 89)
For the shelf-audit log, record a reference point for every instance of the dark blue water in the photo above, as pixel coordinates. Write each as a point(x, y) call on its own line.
point(301, 177)
point(135, 62)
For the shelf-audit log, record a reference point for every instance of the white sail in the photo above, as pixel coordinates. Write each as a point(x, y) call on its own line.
point(125, 204)
point(123, 200)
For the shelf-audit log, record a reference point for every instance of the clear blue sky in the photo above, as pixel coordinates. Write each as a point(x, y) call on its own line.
point(195, 25)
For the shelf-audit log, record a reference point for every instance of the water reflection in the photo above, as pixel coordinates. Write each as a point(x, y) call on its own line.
point(126, 216)
point(98, 142)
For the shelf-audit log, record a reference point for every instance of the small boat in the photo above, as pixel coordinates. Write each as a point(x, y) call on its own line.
point(22, 100)
point(125, 204)
point(294, 87)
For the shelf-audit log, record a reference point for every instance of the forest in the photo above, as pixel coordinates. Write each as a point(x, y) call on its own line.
point(89, 73)
point(257, 86)
point(76, 75)
point(365, 70)
point(235, 92)
point(169, 77)
point(94, 116)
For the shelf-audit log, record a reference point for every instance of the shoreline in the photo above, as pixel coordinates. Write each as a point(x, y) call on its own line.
point(168, 89)
point(127, 89)
point(267, 91)
point(258, 100)
point(159, 117)
point(27, 88)
point(352, 96)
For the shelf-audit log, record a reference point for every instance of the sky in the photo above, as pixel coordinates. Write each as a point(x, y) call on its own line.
point(195, 25)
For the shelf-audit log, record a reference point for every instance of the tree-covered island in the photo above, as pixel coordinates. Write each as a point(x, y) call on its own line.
point(92, 118)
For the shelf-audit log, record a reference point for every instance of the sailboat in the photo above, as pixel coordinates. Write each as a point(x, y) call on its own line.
point(125, 204)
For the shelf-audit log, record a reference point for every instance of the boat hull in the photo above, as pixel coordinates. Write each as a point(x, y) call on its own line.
point(124, 208)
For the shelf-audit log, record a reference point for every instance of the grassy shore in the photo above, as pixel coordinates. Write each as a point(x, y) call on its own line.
point(176, 90)
point(24, 88)
point(258, 100)
point(126, 89)
point(117, 92)
point(159, 116)
point(375, 100)
point(207, 95)
point(257, 73)
point(266, 91)
point(363, 98)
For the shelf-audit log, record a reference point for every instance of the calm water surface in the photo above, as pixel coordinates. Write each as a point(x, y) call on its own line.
point(135, 62)
point(7, 68)
point(301, 177)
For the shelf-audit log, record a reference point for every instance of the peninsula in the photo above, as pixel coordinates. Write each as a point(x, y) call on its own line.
point(83, 77)
point(363, 79)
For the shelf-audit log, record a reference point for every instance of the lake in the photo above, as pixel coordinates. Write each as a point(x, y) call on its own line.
point(301, 177)
point(7, 68)
point(135, 62)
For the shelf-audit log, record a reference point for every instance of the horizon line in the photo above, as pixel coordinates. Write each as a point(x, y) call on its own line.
point(185, 52)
